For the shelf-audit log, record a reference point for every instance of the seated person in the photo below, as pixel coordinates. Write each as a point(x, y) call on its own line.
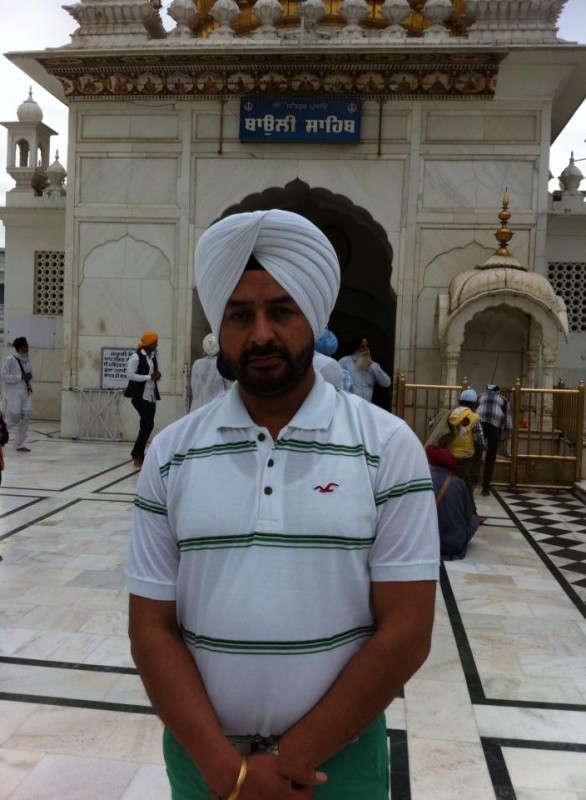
point(457, 521)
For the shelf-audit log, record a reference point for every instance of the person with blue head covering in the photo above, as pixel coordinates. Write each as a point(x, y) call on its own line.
point(323, 363)
point(326, 345)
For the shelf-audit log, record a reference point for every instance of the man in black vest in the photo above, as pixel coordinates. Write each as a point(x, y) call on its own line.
point(142, 373)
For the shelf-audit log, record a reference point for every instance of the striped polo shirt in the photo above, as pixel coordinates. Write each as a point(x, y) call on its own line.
point(269, 547)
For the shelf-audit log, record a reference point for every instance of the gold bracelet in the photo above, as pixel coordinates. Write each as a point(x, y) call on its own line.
point(239, 779)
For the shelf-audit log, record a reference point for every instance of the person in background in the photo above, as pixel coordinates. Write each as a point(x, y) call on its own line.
point(456, 517)
point(143, 373)
point(284, 547)
point(17, 374)
point(497, 425)
point(328, 367)
point(4, 435)
point(467, 433)
point(206, 381)
point(364, 371)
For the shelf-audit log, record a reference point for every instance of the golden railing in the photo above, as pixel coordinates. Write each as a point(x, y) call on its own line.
point(546, 444)
point(419, 403)
point(547, 439)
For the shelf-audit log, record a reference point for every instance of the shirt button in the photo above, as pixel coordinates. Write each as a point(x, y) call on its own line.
point(268, 490)
point(261, 437)
point(270, 462)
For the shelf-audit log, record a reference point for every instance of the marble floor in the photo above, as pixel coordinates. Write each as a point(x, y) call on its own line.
point(498, 710)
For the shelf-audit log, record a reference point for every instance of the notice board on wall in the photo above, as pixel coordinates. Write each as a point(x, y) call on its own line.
point(113, 367)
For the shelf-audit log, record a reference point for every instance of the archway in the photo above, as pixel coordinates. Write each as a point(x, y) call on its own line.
point(366, 305)
point(495, 346)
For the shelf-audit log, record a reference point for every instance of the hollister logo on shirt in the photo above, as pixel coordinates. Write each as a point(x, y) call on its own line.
point(325, 489)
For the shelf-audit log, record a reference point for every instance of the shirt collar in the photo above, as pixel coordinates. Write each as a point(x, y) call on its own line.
point(316, 411)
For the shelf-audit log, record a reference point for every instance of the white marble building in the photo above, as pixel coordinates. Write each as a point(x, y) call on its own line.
point(460, 103)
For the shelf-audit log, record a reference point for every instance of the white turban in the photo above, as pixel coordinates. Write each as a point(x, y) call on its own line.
point(290, 248)
point(210, 345)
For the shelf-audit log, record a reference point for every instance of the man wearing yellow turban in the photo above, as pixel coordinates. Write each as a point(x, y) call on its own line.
point(143, 373)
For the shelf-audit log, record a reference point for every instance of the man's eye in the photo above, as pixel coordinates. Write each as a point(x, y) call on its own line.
point(282, 312)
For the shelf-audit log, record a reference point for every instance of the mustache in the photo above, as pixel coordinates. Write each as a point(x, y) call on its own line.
point(263, 350)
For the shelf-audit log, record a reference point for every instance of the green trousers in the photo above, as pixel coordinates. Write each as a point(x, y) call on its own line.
point(358, 772)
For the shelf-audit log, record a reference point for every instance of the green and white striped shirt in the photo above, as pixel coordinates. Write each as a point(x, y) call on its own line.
point(269, 548)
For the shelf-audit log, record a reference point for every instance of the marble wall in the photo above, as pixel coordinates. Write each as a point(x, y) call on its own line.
point(40, 226)
point(147, 178)
point(566, 241)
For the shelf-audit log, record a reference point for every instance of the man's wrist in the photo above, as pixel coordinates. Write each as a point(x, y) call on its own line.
point(222, 775)
point(240, 779)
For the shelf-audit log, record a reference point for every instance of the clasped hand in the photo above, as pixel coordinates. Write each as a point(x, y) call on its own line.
point(272, 777)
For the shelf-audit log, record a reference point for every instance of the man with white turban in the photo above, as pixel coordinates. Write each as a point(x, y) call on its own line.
point(206, 380)
point(284, 549)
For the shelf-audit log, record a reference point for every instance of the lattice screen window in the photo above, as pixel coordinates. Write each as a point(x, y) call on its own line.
point(568, 279)
point(49, 281)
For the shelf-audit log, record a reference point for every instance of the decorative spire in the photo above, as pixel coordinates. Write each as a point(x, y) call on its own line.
point(505, 234)
point(29, 110)
point(56, 174)
point(502, 255)
point(571, 177)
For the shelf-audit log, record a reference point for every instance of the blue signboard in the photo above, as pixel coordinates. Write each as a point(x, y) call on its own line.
point(266, 120)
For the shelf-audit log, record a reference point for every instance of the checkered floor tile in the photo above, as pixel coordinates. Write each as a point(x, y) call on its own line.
point(556, 523)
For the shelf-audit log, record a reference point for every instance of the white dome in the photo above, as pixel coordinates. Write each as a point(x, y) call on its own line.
point(56, 168)
point(29, 110)
point(474, 283)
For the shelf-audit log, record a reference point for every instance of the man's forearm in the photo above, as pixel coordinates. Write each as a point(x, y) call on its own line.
point(364, 688)
point(175, 688)
point(380, 375)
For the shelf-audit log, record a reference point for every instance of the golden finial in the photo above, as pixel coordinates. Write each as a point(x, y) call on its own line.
point(504, 234)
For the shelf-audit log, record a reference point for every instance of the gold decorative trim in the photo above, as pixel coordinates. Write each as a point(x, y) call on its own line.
point(367, 75)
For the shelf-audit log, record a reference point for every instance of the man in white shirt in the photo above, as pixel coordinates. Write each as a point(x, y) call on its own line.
point(17, 374)
point(326, 364)
point(143, 373)
point(364, 371)
point(284, 549)
point(206, 380)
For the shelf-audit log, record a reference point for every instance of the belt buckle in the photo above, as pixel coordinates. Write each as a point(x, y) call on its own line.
point(248, 745)
point(262, 744)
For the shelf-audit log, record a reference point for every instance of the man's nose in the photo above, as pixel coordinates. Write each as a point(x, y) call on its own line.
point(262, 329)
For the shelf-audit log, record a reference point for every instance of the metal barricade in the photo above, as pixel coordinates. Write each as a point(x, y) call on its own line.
point(98, 414)
point(546, 444)
point(419, 403)
point(545, 447)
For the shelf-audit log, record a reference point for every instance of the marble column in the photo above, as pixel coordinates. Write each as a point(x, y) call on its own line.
point(451, 360)
point(548, 358)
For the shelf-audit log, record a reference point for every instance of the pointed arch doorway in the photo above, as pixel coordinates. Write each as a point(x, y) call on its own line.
point(367, 304)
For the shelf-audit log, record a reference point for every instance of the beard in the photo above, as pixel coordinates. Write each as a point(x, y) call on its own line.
point(363, 360)
point(287, 377)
